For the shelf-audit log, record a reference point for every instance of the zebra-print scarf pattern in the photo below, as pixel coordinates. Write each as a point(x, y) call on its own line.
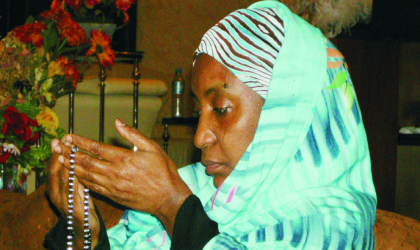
point(247, 42)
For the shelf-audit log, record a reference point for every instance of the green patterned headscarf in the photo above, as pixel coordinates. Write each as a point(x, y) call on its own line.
point(305, 180)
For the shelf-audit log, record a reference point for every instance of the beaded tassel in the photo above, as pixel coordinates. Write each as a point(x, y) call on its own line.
point(87, 238)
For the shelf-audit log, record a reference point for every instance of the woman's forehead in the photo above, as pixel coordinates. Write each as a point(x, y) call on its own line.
point(209, 76)
point(208, 88)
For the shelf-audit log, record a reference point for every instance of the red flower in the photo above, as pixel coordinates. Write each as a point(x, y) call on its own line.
point(32, 139)
point(69, 70)
point(57, 4)
point(126, 17)
point(100, 46)
point(72, 31)
point(56, 14)
point(91, 3)
point(25, 148)
point(123, 5)
point(77, 4)
point(67, 27)
point(19, 124)
point(30, 33)
point(4, 156)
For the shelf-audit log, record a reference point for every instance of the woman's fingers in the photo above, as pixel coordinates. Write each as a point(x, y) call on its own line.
point(53, 176)
point(97, 149)
point(58, 180)
point(92, 172)
point(95, 173)
point(60, 194)
point(132, 135)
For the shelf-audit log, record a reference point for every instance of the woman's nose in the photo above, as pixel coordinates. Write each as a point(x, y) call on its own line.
point(204, 135)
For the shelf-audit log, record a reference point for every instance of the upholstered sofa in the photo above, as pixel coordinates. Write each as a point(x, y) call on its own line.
point(25, 220)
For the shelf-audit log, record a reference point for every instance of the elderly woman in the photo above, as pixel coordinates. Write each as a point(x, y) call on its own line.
point(285, 160)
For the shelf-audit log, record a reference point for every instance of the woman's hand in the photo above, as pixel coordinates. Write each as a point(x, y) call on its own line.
point(146, 180)
point(57, 188)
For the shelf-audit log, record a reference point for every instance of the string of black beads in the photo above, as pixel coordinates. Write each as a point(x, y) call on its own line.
point(87, 233)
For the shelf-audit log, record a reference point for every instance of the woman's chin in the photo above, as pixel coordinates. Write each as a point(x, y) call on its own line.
point(218, 180)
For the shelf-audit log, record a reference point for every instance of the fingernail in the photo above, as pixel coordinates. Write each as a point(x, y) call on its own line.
point(69, 139)
point(120, 123)
point(54, 143)
point(57, 149)
point(61, 159)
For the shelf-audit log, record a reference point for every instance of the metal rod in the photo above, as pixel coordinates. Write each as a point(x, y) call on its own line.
point(136, 76)
point(102, 77)
point(135, 106)
point(166, 136)
point(71, 111)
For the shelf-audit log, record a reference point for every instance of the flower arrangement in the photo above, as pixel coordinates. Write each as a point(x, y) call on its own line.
point(98, 11)
point(37, 67)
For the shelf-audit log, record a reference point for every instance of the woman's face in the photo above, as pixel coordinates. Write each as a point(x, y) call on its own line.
point(229, 113)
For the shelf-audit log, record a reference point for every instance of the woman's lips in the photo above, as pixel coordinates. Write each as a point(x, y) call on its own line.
point(211, 169)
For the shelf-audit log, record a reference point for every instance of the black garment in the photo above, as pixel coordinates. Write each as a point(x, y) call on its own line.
point(192, 229)
point(56, 238)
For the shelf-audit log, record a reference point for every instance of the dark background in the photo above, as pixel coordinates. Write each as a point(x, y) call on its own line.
point(373, 53)
point(390, 20)
point(14, 13)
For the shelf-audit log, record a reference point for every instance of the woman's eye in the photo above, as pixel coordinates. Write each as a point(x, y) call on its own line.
point(220, 111)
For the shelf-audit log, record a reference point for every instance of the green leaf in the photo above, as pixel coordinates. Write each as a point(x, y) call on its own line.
point(61, 132)
point(38, 154)
point(37, 129)
point(30, 19)
point(30, 110)
point(339, 80)
point(14, 139)
point(51, 37)
point(75, 49)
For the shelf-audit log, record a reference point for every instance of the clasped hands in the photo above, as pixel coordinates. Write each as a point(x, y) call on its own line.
point(146, 180)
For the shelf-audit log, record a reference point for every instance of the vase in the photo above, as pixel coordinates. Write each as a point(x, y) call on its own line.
point(107, 28)
point(12, 179)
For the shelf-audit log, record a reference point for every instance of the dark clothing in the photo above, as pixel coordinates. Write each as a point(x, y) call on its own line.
point(56, 238)
point(192, 229)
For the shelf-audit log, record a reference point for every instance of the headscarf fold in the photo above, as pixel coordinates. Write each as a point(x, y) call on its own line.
point(305, 180)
